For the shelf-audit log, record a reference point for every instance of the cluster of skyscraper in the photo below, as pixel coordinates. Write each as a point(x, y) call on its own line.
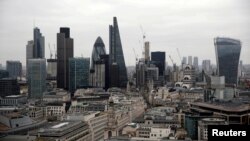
point(73, 73)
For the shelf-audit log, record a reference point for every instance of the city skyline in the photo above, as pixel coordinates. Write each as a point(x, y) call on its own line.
point(166, 24)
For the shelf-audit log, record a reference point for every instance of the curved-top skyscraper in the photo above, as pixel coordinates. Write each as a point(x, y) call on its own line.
point(117, 62)
point(227, 56)
point(99, 49)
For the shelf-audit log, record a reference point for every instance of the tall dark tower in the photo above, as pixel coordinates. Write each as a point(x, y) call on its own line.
point(227, 56)
point(38, 50)
point(65, 50)
point(116, 55)
point(158, 58)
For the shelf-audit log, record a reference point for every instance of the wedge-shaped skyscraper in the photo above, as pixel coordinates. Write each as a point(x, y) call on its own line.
point(116, 55)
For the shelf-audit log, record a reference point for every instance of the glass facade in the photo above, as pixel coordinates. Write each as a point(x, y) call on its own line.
point(227, 55)
point(14, 68)
point(36, 77)
point(38, 51)
point(99, 49)
point(116, 53)
point(158, 58)
point(78, 73)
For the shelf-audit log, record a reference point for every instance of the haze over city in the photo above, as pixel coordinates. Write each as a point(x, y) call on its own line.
point(189, 26)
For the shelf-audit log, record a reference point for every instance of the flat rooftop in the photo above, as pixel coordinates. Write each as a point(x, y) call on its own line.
point(229, 106)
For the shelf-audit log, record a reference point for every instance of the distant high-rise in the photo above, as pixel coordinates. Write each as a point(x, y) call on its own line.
point(196, 63)
point(190, 60)
point(14, 68)
point(78, 73)
point(9, 86)
point(227, 56)
point(65, 50)
point(98, 49)
point(116, 55)
point(4, 74)
point(158, 58)
point(38, 50)
point(184, 60)
point(147, 51)
point(206, 66)
point(36, 77)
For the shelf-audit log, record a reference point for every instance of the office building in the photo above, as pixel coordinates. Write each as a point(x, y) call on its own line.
point(9, 86)
point(64, 131)
point(184, 60)
point(4, 74)
point(196, 63)
point(29, 53)
point(147, 51)
point(36, 78)
point(78, 73)
point(206, 66)
point(65, 50)
point(99, 68)
point(98, 49)
point(116, 55)
point(14, 68)
point(51, 69)
point(158, 58)
point(190, 60)
point(227, 56)
point(203, 126)
point(38, 40)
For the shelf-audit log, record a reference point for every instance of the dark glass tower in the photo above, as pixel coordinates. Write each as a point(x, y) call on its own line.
point(38, 51)
point(116, 55)
point(158, 58)
point(99, 49)
point(227, 56)
point(65, 50)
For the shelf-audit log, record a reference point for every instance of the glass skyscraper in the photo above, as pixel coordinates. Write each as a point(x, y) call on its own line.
point(227, 56)
point(14, 68)
point(38, 51)
point(65, 50)
point(36, 77)
point(78, 73)
point(99, 49)
point(158, 58)
point(116, 54)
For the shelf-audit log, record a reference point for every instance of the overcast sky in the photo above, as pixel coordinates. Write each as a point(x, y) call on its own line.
point(189, 25)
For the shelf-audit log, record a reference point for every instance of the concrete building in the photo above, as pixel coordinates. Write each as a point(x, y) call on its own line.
point(36, 77)
point(57, 95)
point(203, 126)
point(147, 51)
point(14, 68)
point(65, 50)
point(13, 100)
point(51, 69)
point(64, 131)
point(97, 122)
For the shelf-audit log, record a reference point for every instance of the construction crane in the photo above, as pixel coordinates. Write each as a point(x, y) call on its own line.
point(55, 51)
point(50, 52)
point(179, 54)
point(171, 60)
point(136, 56)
